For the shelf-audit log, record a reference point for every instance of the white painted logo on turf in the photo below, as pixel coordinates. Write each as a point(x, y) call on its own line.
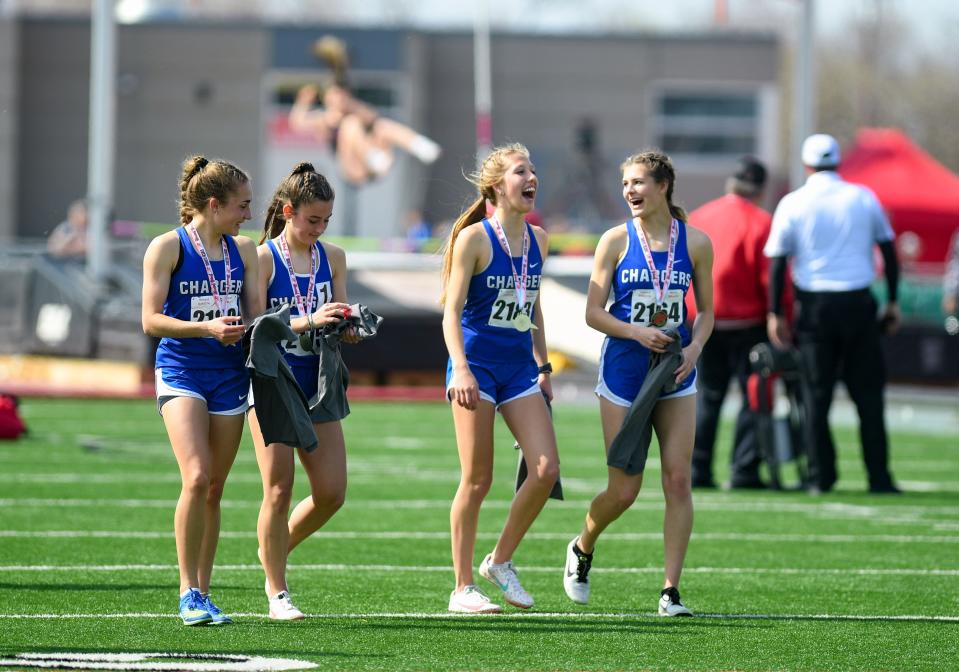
point(190, 662)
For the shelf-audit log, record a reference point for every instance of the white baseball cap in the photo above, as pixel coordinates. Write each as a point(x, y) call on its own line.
point(820, 151)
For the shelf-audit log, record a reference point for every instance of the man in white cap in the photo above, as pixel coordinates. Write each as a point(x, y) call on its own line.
point(829, 228)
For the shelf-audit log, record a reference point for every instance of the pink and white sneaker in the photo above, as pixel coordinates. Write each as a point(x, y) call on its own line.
point(471, 601)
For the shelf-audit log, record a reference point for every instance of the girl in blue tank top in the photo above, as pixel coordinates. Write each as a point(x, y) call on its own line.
point(296, 268)
point(199, 282)
point(493, 327)
point(489, 331)
point(648, 264)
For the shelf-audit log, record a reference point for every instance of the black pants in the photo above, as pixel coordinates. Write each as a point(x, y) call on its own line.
point(726, 356)
point(838, 336)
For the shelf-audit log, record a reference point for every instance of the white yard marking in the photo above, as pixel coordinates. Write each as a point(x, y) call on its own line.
point(702, 503)
point(336, 567)
point(539, 536)
point(188, 662)
point(574, 616)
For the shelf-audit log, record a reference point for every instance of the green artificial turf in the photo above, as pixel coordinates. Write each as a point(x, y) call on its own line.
point(783, 581)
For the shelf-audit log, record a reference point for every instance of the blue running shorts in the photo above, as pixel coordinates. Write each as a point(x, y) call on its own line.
point(225, 391)
point(501, 383)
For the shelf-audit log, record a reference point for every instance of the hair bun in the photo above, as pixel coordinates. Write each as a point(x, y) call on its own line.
point(194, 165)
point(303, 167)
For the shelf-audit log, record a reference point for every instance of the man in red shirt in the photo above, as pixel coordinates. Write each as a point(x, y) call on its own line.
point(738, 229)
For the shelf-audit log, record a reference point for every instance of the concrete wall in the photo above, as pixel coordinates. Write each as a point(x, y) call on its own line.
point(544, 86)
point(9, 115)
point(193, 88)
point(181, 90)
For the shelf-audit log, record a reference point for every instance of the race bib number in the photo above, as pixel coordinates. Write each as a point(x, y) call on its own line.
point(644, 307)
point(506, 308)
point(324, 294)
point(204, 308)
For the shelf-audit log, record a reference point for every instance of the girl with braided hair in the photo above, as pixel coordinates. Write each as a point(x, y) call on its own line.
point(493, 327)
point(648, 264)
point(298, 269)
point(199, 283)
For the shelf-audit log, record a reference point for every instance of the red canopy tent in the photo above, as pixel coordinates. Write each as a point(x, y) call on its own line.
point(920, 195)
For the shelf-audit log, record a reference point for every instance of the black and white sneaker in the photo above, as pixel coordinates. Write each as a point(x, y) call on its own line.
point(671, 605)
point(576, 573)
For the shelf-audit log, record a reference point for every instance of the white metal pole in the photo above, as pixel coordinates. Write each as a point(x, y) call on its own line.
point(100, 155)
point(483, 89)
point(805, 104)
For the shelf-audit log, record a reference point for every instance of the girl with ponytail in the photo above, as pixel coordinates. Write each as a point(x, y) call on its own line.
point(648, 263)
point(493, 327)
point(199, 284)
point(298, 269)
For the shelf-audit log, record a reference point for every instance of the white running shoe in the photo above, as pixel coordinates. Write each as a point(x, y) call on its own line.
point(504, 577)
point(282, 609)
point(471, 601)
point(576, 574)
point(671, 605)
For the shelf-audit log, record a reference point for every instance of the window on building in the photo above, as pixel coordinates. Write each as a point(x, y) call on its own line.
point(707, 124)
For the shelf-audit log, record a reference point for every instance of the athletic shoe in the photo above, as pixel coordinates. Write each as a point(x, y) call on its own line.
point(193, 608)
point(504, 576)
point(217, 616)
point(471, 601)
point(671, 605)
point(576, 576)
point(282, 609)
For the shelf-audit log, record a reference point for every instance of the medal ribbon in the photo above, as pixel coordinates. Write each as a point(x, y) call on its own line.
point(659, 290)
point(305, 306)
point(519, 281)
point(198, 245)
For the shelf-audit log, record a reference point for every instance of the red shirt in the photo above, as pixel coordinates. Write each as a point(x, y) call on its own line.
point(738, 230)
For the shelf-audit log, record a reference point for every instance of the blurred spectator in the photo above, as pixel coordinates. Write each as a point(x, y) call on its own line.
point(69, 239)
point(418, 229)
point(358, 136)
point(738, 228)
point(950, 282)
point(829, 228)
point(581, 199)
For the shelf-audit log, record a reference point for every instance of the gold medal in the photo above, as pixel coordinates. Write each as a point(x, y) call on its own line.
point(522, 322)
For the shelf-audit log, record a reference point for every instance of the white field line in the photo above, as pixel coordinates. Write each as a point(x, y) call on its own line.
point(538, 536)
point(575, 616)
point(358, 473)
point(651, 503)
point(446, 569)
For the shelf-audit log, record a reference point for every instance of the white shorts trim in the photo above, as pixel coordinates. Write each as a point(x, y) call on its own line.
point(603, 391)
point(525, 393)
point(239, 410)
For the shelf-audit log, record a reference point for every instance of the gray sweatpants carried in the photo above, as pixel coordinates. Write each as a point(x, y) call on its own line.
point(630, 447)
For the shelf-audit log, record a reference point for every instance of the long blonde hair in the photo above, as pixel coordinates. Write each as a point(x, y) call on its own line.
point(661, 170)
point(486, 178)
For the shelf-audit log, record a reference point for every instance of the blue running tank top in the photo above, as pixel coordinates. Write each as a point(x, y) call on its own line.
point(634, 299)
point(280, 292)
point(491, 304)
point(190, 299)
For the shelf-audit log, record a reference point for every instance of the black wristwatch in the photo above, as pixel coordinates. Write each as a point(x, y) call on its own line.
point(546, 368)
